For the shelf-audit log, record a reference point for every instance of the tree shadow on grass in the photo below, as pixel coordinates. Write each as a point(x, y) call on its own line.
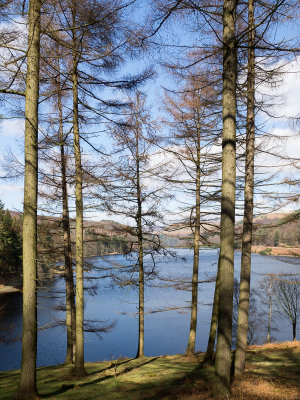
point(284, 365)
point(62, 389)
point(124, 371)
point(114, 364)
point(180, 387)
point(65, 387)
point(3, 375)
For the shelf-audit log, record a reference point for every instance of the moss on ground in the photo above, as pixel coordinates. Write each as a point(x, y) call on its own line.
point(272, 372)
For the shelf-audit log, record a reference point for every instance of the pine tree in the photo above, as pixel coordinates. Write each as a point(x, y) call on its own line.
point(221, 384)
point(10, 246)
point(27, 388)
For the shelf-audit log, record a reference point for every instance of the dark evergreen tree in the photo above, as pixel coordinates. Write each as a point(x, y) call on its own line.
point(10, 245)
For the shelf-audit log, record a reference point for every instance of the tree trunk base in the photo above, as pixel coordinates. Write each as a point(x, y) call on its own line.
point(208, 361)
point(79, 372)
point(190, 353)
point(21, 395)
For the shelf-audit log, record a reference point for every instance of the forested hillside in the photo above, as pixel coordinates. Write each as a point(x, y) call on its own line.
point(109, 237)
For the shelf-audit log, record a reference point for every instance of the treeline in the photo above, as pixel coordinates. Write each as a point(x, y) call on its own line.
point(10, 247)
point(100, 238)
point(50, 246)
point(278, 230)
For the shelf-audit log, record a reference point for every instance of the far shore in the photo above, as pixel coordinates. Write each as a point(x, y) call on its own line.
point(8, 289)
point(271, 251)
point(278, 251)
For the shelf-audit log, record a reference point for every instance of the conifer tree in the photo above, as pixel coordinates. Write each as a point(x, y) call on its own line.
point(221, 384)
point(27, 388)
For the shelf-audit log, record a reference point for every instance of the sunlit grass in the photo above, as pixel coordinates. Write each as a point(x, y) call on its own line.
point(272, 373)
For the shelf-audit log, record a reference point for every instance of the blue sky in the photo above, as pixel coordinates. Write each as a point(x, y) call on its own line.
point(11, 130)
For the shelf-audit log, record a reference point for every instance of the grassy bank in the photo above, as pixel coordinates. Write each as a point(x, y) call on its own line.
point(277, 251)
point(273, 372)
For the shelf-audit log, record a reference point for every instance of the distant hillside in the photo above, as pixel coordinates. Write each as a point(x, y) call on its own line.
point(103, 237)
point(274, 230)
point(182, 235)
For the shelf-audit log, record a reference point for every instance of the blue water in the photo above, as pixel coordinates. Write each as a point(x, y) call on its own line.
point(166, 332)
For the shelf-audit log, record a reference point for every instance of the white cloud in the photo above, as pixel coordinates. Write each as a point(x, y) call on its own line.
point(12, 196)
point(285, 93)
point(12, 127)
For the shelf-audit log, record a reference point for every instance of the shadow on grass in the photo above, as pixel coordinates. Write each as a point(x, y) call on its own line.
point(126, 370)
point(172, 377)
point(113, 365)
point(3, 375)
point(184, 386)
point(65, 387)
point(61, 390)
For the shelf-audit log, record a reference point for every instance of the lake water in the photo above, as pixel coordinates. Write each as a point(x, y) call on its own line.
point(166, 332)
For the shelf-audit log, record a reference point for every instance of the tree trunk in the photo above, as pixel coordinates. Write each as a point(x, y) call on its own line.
point(213, 323)
point(194, 302)
point(221, 384)
point(242, 330)
point(294, 330)
point(70, 298)
point(79, 352)
point(27, 387)
point(140, 351)
point(270, 318)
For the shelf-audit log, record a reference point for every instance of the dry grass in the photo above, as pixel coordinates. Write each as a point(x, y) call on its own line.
point(276, 346)
point(247, 388)
point(256, 388)
point(272, 373)
point(278, 251)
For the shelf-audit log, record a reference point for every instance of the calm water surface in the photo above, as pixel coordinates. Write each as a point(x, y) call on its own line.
point(166, 332)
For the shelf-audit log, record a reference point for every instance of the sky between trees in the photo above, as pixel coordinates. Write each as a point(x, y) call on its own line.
point(285, 135)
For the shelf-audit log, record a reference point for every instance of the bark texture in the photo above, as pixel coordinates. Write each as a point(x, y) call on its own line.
point(70, 298)
point(242, 330)
point(79, 352)
point(194, 302)
point(221, 384)
point(213, 323)
point(27, 386)
point(141, 338)
point(270, 314)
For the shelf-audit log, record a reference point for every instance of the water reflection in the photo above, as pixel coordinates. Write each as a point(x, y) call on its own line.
point(165, 332)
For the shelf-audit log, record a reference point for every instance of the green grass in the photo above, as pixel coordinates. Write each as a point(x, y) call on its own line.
point(266, 252)
point(167, 377)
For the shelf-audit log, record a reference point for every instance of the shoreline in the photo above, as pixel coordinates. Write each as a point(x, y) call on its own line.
point(256, 249)
point(277, 251)
point(8, 289)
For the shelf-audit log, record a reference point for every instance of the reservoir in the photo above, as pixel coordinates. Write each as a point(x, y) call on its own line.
point(167, 316)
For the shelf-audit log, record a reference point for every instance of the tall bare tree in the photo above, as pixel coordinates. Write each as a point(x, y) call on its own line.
point(194, 122)
point(135, 194)
point(208, 358)
point(221, 384)
point(241, 341)
point(287, 295)
point(27, 387)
